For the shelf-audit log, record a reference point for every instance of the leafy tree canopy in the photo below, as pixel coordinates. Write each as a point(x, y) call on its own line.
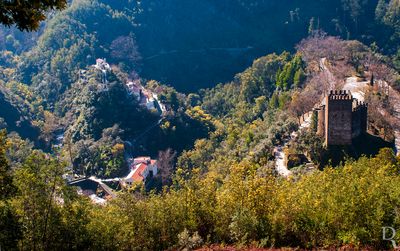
point(27, 15)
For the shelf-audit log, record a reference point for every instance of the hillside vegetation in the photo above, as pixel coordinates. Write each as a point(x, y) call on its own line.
point(225, 190)
point(215, 143)
point(216, 40)
point(342, 206)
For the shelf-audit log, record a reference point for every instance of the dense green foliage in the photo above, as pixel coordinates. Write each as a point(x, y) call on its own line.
point(27, 15)
point(224, 190)
point(217, 181)
point(69, 43)
point(22, 111)
point(103, 123)
point(343, 206)
point(335, 207)
point(40, 223)
point(292, 74)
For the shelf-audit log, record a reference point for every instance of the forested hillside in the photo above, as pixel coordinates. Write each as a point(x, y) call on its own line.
point(223, 191)
point(216, 40)
point(213, 91)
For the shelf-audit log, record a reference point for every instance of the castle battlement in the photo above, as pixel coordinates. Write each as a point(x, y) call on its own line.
point(340, 95)
point(358, 106)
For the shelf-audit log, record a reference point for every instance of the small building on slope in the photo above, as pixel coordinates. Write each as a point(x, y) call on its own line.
point(141, 169)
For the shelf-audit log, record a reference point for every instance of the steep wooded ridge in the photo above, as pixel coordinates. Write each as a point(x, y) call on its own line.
point(80, 89)
point(216, 39)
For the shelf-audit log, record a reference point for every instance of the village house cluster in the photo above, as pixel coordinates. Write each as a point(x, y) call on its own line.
point(143, 96)
point(141, 170)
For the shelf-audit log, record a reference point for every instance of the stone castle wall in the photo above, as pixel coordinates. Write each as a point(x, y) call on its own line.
point(340, 119)
point(359, 121)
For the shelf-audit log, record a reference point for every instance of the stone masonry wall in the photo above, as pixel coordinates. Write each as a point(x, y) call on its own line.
point(338, 118)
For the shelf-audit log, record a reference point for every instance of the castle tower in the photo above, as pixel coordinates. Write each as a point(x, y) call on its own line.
point(360, 119)
point(338, 118)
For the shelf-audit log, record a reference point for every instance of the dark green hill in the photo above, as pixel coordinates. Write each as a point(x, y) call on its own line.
point(193, 44)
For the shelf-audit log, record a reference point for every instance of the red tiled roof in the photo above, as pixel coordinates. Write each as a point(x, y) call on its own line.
point(138, 166)
point(137, 175)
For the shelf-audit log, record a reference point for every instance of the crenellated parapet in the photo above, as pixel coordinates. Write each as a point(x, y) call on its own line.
point(339, 95)
point(357, 106)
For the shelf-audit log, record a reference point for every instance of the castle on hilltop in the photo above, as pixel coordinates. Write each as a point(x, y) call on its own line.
point(340, 118)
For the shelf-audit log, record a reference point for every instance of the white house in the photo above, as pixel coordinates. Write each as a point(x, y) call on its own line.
point(141, 168)
point(101, 64)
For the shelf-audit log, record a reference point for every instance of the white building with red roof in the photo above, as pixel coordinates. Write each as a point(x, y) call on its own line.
point(141, 168)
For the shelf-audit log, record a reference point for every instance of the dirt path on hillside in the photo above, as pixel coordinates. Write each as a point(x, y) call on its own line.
point(279, 152)
point(357, 88)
